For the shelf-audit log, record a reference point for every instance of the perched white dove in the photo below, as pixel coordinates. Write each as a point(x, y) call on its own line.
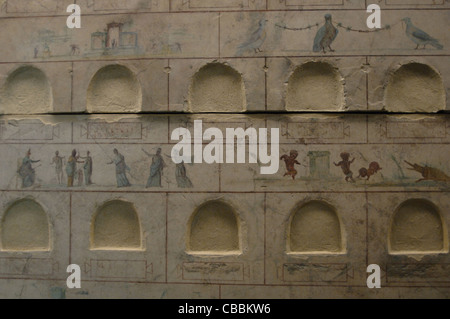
point(420, 37)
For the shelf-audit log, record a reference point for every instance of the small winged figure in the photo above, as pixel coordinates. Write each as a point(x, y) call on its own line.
point(325, 36)
point(420, 37)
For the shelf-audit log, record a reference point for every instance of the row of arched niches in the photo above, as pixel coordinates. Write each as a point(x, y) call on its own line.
point(214, 227)
point(217, 87)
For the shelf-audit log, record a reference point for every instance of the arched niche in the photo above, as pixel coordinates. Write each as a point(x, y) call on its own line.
point(417, 227)
point(315, 86)
point(114, 89)
point(116, 226)
point(217, 87)
point(214, 228)
point(315, 228)
point(27, 91)
point(415, 87)
point(25, 227)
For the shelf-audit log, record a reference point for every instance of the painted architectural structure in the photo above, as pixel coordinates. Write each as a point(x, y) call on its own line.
point(86, 175)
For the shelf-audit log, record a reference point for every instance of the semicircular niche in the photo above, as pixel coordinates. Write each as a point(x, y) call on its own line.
point(315, 86)
point(416, 227)
point(214, 228)
point(315, 228)
point(116, 227)
point(217, 87)
point(114, 89)
point(415, 87)
point(27, 91)
point(25, 227)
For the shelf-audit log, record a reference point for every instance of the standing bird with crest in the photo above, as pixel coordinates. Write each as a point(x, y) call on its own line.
point(255, 40)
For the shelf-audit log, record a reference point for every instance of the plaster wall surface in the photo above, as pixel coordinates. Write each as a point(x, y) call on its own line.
point(86, 169)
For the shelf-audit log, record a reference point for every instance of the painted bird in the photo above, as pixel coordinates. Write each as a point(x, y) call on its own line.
point(325, 36)
point(420, 37)
point(256, 39)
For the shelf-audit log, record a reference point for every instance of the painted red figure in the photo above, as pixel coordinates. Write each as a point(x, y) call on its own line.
point(290, 162)
point(374, 167)
point(345, 165)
